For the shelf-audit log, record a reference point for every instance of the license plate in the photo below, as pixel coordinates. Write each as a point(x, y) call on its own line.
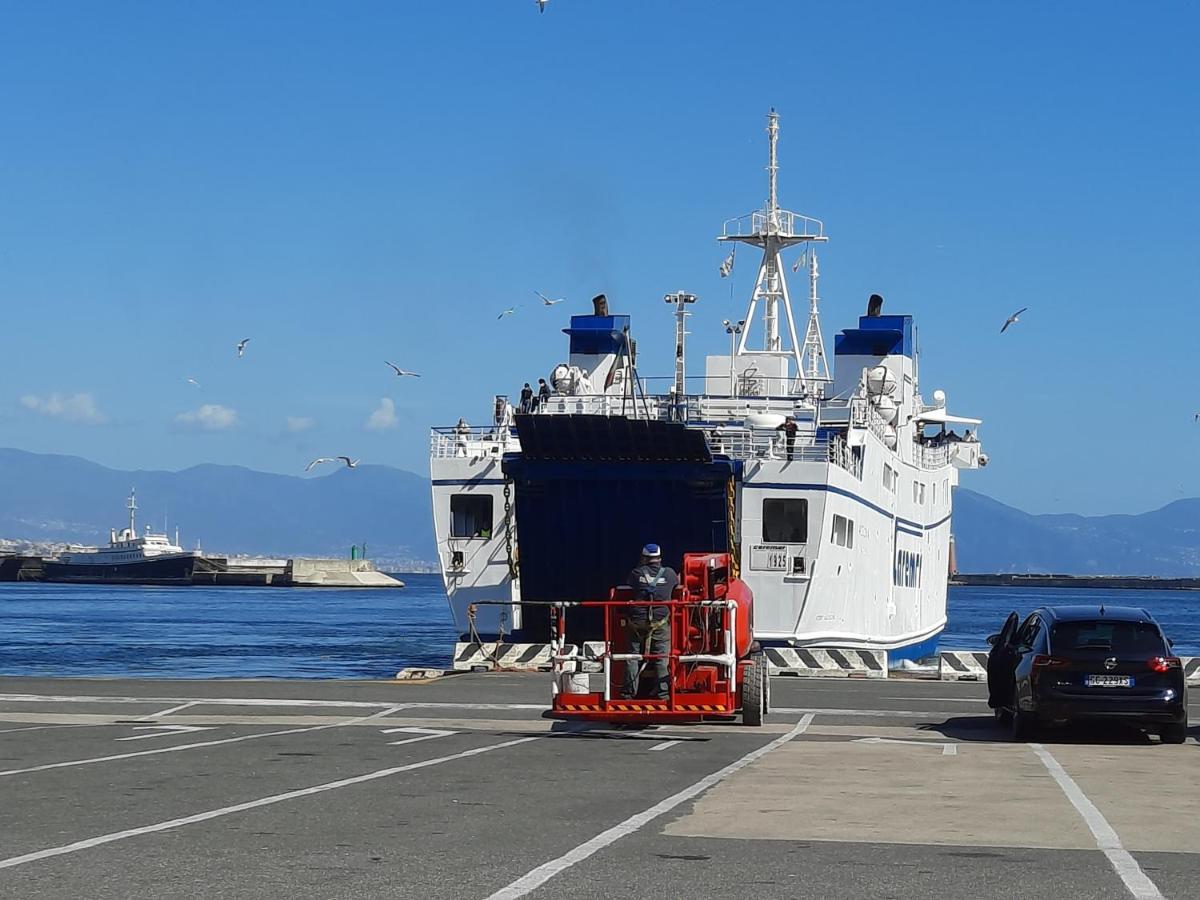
point(1109, 681)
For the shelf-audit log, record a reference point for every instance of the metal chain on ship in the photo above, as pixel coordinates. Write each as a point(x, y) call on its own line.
point(735, 564)
point(508, 542)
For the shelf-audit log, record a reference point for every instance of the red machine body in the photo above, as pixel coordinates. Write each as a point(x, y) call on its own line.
point(715, 668)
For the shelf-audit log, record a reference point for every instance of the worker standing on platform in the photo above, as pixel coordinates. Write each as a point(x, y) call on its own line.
point(650, 626)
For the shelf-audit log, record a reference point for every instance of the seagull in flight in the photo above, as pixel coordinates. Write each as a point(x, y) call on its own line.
point(241, 347)
point(507, 312)
point(350, 463)
point(401, 373)
point(546, 300)
point(1013, 319)
point(194, 382)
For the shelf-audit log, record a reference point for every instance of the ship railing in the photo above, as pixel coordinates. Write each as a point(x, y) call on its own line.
point(932, 457)
point(782, 222)
point(471, 442)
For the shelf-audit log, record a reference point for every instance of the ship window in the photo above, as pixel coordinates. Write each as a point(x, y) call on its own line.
point(471, 515)
point(785, 521)
point(843, 531)
point(889, 478)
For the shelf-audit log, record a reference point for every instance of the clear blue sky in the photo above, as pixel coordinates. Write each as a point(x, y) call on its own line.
point(351, 183)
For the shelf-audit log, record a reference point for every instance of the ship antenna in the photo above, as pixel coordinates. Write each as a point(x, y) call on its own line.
point(773, 230)
point(132, 507)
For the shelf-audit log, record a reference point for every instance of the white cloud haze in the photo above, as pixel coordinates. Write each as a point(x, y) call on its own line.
point(300, 423)
point(80, 408)
point(384, 416)
point(210, 417)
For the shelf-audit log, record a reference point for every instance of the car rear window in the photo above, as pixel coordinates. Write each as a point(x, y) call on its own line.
point(1123, 638)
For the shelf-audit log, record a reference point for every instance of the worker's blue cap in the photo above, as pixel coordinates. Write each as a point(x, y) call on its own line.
point(652, 550)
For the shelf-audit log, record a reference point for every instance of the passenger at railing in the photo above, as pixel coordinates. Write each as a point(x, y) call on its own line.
point(789, 429)
point(543, 395)
point(970, 438)
point(461, 432)
point(952, 437)
point(526, 398)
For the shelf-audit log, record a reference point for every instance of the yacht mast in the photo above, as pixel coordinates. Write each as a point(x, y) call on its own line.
point(131, 505)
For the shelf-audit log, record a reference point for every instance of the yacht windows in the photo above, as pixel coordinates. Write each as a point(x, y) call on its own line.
point(784, 521)
point(919, 492)
point(843, 531)
point(471, 515)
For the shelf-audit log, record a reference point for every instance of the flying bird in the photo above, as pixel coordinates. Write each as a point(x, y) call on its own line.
point(241, 347)
point(193, 381)
point(507, 312)
point(401, 372)
point(350, 463)
point(546, 300)
point(1013, 319)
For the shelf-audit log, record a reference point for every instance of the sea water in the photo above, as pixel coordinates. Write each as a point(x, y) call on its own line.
point(273, 632)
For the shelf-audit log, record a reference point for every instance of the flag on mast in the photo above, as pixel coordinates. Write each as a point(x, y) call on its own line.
point(727, 266)
point(801, 260)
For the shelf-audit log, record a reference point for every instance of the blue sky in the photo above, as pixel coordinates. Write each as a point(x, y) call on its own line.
point(346, 184)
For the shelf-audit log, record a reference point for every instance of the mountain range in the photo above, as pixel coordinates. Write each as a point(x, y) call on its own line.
point(231, 509)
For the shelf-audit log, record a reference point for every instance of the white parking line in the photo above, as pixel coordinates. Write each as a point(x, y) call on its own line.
point(1136, 881)
point(546, 871)
point(41, 727)
point(259, 701)
point(665, 745)
point(425, 734)
point(178, 747)
point(252, 804)
point(174, 709)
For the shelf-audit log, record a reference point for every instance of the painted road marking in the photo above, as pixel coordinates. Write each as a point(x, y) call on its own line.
point(870, 713)
point(41, 727)
point(665, 745)
point(543, 873)
point(178, 747)
point(174, 709)
point(947, 749)
point(1136, 881)
point(252, 804)
point(260, 701)
point(426, 734)
point(164, 730)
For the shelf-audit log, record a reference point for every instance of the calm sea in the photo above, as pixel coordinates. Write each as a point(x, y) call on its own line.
point(197, 632)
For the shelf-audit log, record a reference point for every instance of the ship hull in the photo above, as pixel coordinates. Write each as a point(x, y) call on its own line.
point(174, 570)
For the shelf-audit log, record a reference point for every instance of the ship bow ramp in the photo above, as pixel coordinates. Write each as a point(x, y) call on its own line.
point(590, 491)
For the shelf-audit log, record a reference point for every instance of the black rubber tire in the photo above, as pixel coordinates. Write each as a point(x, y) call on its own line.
point(766, 686)
point(1173, 734)
point(1022, 726)
point(754, 692)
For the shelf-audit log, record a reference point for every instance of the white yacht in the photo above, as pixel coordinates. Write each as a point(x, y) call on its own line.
point(833, 490)
point(129, 558)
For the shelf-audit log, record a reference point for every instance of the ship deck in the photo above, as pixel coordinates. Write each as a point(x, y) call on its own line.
point(460, 788)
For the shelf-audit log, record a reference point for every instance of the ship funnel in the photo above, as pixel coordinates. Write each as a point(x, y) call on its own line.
point(875, 305)
point(600, 303)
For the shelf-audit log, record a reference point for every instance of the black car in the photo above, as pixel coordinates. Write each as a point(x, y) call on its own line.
point(1067, 663)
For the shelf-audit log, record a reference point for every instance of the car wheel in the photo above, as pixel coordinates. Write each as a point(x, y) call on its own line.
point(753, 691)
point(1173, 734)
point(1022, 725)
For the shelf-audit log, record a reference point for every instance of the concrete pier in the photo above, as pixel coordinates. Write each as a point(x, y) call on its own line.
point(460, 787)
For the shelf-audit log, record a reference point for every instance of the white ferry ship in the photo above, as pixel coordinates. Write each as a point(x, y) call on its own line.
point(833, 491)
point(129, 558)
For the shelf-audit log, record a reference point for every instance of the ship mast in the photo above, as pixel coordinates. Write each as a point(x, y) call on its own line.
point(773, 230)
point(131, 505)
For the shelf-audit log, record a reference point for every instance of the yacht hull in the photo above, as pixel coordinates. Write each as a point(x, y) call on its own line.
point(171, 570)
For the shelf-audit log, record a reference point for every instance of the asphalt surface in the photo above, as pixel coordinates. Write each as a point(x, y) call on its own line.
point(461, 788)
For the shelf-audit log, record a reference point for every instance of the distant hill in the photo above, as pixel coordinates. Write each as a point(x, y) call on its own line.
point(992, 537)
point(230, 509)
point(236, 510)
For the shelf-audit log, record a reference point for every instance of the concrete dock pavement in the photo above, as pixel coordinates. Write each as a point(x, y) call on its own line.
point(461, 787)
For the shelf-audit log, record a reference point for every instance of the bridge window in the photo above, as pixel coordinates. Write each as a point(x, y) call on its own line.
point(785, 521)
point(471, 515)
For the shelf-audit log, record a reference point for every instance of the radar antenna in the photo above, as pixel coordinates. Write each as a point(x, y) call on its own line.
point(773, 230)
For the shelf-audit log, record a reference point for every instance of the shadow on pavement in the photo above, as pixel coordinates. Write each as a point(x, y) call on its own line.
point(987, 729)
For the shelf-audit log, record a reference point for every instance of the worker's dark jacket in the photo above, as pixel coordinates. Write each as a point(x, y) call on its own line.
point(651, 582)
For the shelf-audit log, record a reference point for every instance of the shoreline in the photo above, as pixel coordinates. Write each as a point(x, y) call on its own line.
point(1117, 582)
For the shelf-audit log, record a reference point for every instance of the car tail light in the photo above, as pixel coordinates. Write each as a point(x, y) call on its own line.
point(1164, 663)
point(1041, 661)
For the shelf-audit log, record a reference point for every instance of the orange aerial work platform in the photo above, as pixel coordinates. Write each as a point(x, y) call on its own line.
point(715, 668)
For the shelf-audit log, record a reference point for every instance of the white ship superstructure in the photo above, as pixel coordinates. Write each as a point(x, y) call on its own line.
point(833, 491)
point(130, 557)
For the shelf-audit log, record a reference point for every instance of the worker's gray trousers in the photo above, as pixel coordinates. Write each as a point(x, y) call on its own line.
point(660, 642)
